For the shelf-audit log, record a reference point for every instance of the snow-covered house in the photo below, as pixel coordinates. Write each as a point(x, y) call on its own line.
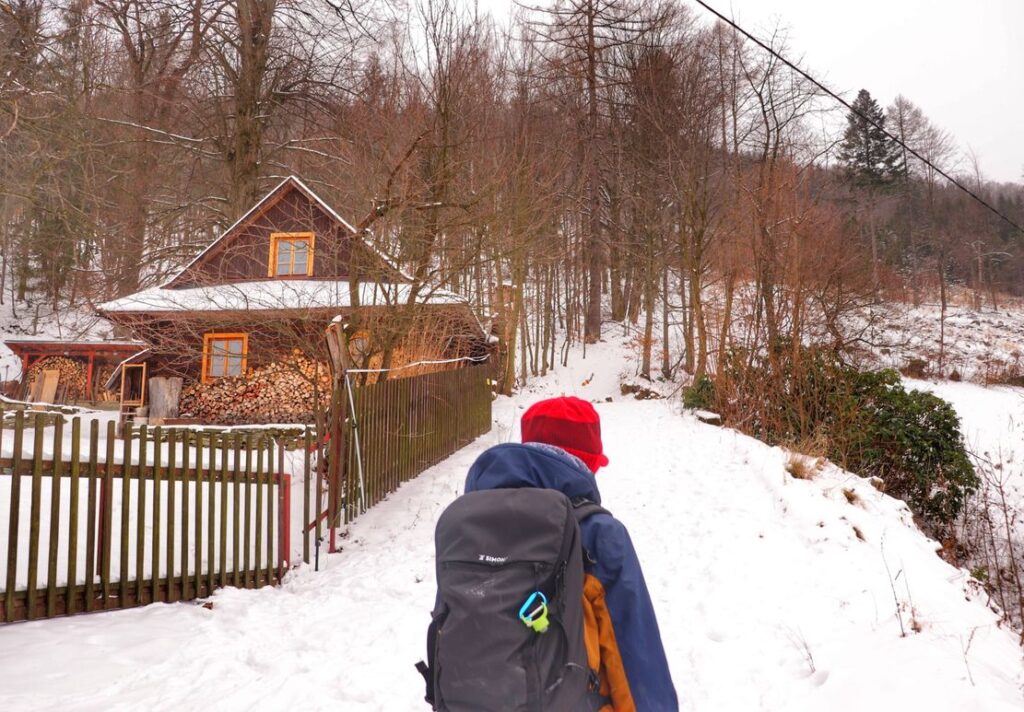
point(265, 290)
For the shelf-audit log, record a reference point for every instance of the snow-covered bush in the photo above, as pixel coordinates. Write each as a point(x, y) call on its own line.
point(910, 439)
point(808, 399)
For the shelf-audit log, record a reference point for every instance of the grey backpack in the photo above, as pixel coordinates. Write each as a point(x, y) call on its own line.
point(507, 628)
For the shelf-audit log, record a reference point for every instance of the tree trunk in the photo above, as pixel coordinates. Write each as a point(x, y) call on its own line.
point(723, 339)
point(163, 398)
point(666, 365)
point(255, 23)
point(595, 263)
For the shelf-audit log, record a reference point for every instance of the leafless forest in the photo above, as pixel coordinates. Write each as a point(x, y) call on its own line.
point(595, 162)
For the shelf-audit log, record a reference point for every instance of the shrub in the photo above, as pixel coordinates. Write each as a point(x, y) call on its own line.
point(866, 420)
point(916, 368)
point(700, 395)
point(911, 440)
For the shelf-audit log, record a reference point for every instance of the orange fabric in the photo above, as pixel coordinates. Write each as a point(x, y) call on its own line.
point(602, 650)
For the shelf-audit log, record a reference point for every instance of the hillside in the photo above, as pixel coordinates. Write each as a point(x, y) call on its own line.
point(981, 345)
point(772, 593)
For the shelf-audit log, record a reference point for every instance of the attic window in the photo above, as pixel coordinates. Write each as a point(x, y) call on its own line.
point(291, 254)
point(224, 355)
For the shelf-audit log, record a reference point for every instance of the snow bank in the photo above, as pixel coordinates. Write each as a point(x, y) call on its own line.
point(772, 594)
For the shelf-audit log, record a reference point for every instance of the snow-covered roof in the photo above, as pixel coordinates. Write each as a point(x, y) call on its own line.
point(71, 341)
point(295, 181)
point(272, 294)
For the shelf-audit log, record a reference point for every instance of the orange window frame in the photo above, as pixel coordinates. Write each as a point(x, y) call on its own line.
point(276, 238)
point(208, 340)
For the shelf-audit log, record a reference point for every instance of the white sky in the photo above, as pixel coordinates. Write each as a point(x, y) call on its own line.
point(962, 62)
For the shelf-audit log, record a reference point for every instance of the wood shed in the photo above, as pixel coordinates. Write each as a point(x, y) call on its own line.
point(65, 371)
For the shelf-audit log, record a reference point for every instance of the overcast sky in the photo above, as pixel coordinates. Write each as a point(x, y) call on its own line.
point(961, 62)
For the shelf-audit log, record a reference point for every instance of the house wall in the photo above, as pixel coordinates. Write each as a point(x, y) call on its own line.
point(177, 343)
point(243, 254)
point(284, 355)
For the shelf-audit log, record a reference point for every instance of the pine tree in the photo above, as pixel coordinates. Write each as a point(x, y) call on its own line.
point(871, 158)
point(872, 162)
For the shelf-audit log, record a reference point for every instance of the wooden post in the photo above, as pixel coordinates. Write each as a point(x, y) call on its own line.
point(12, 535)
point(337, 346)
point(173, 478)
point(56, 475)
point(34, 521)
point(307, 474)
point(186, 449)
point(88, 375)
point(76, 467)
point(158, 479)
point(140, 517)
point(247, 539)
point(126, 494)
point(284, 516)
point(236, 510)
point(105, 541)
point(91, 558)
point(224, 494)
point(258, 557)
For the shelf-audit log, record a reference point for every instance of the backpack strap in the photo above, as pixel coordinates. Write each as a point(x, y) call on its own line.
point(427, 669)
point(582, 508)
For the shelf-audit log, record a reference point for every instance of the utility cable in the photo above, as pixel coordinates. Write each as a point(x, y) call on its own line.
point(849, 106)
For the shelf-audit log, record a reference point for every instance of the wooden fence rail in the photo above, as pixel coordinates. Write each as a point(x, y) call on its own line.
point(96, 523)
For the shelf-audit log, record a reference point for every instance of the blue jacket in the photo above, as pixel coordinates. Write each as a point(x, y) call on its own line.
point(617, 567)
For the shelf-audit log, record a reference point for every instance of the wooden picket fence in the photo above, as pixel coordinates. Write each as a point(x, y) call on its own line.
point(396, 429)
point(94, 522)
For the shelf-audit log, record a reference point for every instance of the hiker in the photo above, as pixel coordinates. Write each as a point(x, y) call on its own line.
point(515, 503)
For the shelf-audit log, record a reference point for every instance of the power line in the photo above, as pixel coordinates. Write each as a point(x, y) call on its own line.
point(849, 106)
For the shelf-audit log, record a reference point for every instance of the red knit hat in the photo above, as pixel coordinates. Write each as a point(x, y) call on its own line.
point(569, 423)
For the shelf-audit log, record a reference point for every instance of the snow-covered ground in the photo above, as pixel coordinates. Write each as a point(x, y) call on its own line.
point(983, 345)
point(772, 593)
point(992, 421)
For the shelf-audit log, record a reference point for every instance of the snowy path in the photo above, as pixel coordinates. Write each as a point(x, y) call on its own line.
point(767, 598)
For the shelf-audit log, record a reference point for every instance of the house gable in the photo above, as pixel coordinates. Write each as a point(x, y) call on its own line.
point(244, 252)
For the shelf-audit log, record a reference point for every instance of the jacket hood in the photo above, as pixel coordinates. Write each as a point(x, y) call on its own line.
point(514, 465)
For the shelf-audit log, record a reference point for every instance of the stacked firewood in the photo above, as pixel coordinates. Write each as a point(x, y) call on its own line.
point(71, 385)
point(100, 378)
point(281, 392)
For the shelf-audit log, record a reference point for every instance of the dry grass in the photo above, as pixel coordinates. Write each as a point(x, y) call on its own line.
point(803, 467)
